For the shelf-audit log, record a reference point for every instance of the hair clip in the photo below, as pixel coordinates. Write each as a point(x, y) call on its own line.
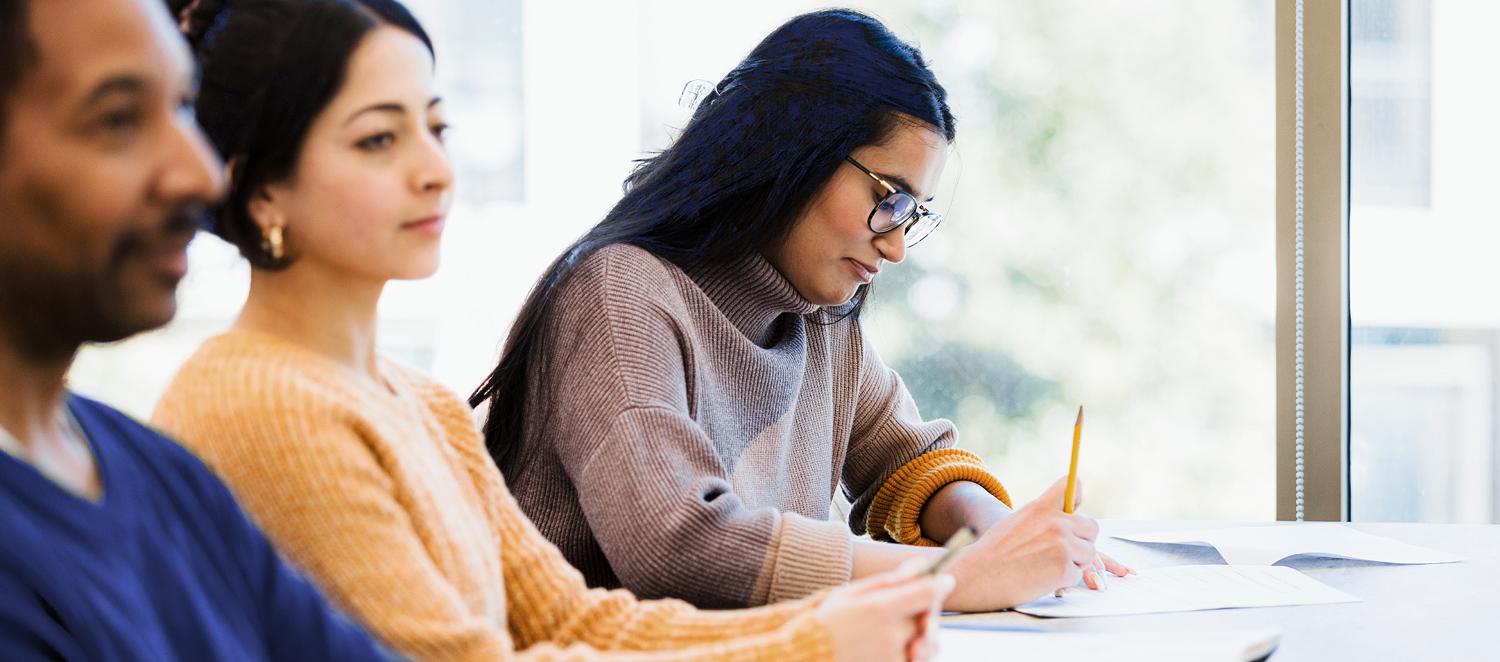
point(695, 93)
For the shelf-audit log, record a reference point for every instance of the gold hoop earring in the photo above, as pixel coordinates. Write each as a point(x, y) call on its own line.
point(271, 242)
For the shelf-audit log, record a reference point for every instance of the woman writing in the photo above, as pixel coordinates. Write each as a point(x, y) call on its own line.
point(688, 384)
point(368, 476)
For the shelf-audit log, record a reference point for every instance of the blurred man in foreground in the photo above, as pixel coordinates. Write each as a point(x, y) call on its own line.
point(115, 544)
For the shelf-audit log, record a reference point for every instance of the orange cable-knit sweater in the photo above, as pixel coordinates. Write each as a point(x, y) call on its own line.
point(388, 500)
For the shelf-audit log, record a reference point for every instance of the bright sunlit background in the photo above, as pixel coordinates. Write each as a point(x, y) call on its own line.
point(1109, 240)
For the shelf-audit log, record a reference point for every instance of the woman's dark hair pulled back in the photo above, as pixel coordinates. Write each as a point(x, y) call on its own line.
point(268, 68)
point(752, 158)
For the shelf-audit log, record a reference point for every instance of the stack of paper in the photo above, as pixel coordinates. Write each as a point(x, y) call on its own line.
point(1264, 545)
point(1192, 588)
point(965, 645)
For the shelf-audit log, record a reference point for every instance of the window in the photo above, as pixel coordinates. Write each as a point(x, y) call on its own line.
point(1425, 343)
point(1390, 80)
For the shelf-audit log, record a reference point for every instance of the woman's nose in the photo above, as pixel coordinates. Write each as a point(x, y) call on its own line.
point(433, 170)
point(892, 246)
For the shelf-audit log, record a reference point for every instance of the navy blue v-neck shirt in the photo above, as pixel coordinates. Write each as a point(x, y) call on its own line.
point(164, 568)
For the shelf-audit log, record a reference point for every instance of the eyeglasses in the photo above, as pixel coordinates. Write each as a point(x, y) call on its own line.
point(900, 209)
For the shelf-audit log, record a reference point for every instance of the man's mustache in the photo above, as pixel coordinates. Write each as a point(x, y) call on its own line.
point(185, 220)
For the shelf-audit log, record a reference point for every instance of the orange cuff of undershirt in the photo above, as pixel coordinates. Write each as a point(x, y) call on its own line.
point(897, 507)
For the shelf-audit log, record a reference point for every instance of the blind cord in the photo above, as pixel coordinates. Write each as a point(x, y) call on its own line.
point(1299, 299)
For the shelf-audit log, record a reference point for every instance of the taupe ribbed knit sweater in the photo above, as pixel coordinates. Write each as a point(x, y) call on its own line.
point(698, 425)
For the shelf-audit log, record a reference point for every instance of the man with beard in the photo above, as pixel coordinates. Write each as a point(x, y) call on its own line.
point(115, 543)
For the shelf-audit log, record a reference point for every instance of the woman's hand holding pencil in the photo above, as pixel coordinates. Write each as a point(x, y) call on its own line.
point(1094, 576)
point(1031, 553)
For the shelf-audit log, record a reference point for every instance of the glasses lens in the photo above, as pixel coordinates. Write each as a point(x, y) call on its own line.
point(923, 227)
point(896, 209)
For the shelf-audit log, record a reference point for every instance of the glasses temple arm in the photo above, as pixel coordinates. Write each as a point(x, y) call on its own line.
point(872, 175)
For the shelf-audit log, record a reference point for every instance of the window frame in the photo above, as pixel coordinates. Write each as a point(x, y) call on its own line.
point(1312, 176)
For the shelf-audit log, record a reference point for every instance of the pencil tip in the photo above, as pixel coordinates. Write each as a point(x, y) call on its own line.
point(1080, 415)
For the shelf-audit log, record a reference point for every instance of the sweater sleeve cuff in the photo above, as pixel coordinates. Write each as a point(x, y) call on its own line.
point(805, 556)
point(897, 507)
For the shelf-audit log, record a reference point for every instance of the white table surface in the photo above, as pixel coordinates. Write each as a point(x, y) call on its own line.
point(1446, 611)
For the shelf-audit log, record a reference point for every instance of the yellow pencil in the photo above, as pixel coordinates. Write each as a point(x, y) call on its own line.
point(1072, 473)
point(1073, 466)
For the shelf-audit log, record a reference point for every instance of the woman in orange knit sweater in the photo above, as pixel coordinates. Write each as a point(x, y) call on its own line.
point(370, 477)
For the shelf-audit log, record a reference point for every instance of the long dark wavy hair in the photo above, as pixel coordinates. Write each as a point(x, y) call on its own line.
point(754, 155)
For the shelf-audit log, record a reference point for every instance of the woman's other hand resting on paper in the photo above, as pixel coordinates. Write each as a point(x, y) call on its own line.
point(890, 616)
point(1030, 553)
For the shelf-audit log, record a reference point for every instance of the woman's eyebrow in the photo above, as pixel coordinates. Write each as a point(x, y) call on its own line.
point(388, 107)
point(383, 107)
point(901, 183)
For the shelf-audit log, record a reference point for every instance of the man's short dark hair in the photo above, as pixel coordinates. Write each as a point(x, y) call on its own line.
point(17, 52)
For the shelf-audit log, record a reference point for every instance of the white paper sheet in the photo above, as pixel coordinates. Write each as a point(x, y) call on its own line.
point(1264, 545)
point(1192, 588)
point(961, 645)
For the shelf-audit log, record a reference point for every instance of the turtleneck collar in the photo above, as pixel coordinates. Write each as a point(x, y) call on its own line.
point(750, 293)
